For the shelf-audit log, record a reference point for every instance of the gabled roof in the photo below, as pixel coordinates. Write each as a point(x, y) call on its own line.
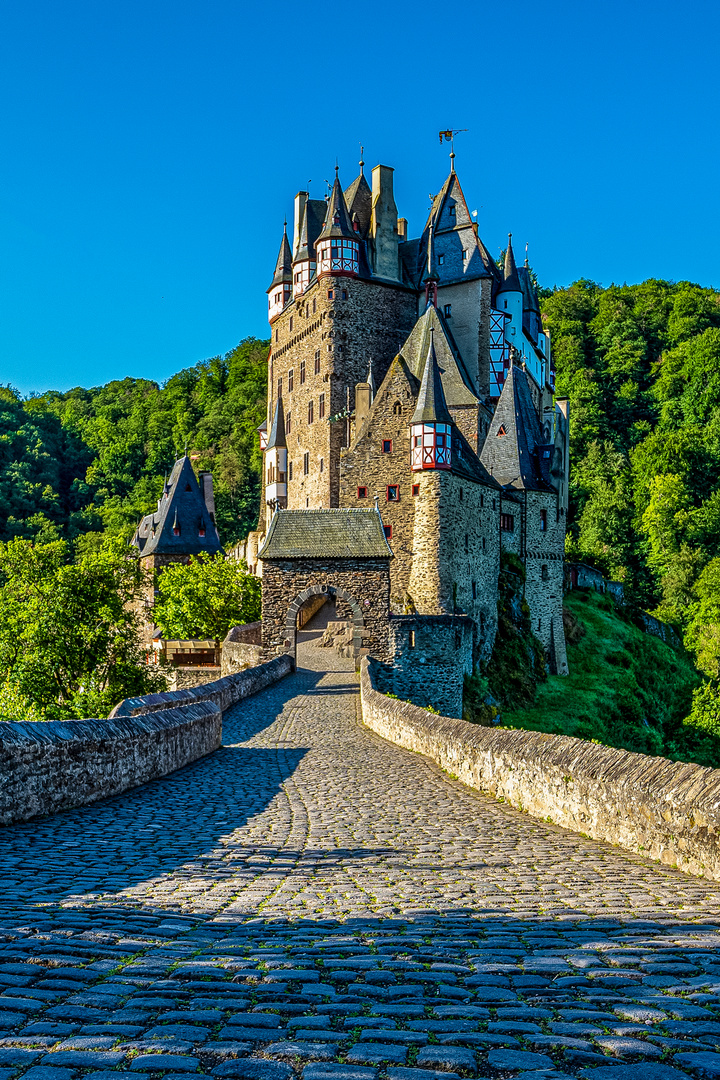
point(431, 407)
point(456, 383)
point(313, 216)
point(283, 266)
point(180, 508)
point(358, 199)
point(325, 534)
point(337, 220)
point(277, 431)
point(454, 233)
point(510, 453)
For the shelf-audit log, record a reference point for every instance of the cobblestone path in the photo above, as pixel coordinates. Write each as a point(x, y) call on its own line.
point(312, 900)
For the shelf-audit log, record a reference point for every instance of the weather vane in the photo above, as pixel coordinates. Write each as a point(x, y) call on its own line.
point(449, 136)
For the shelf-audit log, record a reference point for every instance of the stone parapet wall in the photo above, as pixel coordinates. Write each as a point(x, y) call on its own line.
point(430, 654)
point(54, 766)
point(180, 678)
point(667, 811)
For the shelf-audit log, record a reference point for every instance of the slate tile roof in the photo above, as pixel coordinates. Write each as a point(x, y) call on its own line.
point(326, 534)
point(181, 515)
point(456, 382)
point(514, 438)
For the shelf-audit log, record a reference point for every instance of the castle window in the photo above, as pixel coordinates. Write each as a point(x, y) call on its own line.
point(464, 255)
point(330, 295)
point(302, 372)
point(441, 260)
point(539, 624)
point(317, 361)
point(397, 409)
point(291, 323)
point(280, 387)
point(447, 311)
point(474, 590)
point(482, 500)
point(311, 412)
point(501, 431)
point(543, 521)
point(461, 495)
point(393, 493)
point(201, 529)
point(288, 424)
point(416, 489)
point(387, 446)
point(362, 493)
point(290, 470)
point(176, 529)
point(314, 306)
point(321, 406)
point(544, 574)
point(483, 540)
point(506, 305)
point(493, 504)
point(322, 464)
point(344, 294)
point(451, 210)
point(507, 523)
point(306, 464)
point(291, 380)
point(276, 335)
point(387, 529)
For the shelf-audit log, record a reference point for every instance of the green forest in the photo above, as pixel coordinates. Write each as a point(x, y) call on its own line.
point(639, 363)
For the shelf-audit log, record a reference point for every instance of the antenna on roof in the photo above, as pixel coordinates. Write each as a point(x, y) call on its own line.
point(449, 136)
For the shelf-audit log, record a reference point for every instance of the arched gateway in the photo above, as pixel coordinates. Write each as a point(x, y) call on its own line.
point(339, 553)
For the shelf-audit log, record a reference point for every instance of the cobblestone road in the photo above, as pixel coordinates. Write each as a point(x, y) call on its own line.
point(313, 900)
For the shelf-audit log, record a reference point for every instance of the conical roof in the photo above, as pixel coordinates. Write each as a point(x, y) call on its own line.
point(358, 199)
point(313, 215)
point(431, 406)
point(277, 431)
point(337, 219)
point(511, 280)
point(510, 452)
point(283, 266)
point(181, 509)
point(457, 385)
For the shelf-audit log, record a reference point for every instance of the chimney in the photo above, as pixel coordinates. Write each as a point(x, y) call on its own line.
point(363, 400)
point(383, 226)
point(206, 488)
point(300, 199)
point(402, 230)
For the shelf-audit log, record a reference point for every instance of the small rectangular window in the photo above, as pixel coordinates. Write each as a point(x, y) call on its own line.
point(474, 590)
point(464, 255)
point(507, 523)
point(441, 260)
point(344, 294)
point(291, 322)
point(544, 573)
point(321, 406)
point(288, 424)
point(311, 412)
point(483, 540)
point(322, 464)
point(393, 493)
point(447, 311)
point(362, 493)
point(330, 294)
point(290, 470)
point(543, 521)
point(291, 380)
point(482, 500)
point(317, 362)
point(280, 387)
point(467, 542)
point(306, 464)
point(387, 529)
point(416, 489)
point(314, 306)
point(302, 372)
point(387, 446)
point(277, 335)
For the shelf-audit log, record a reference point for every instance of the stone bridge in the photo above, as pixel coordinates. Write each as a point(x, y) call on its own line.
point(312, 900)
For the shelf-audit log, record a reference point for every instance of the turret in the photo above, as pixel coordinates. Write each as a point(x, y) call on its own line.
point(338, 245)
point(303, 264)
point(431, 424)
point(276, 462)
point(510, 299)
point(281, 284)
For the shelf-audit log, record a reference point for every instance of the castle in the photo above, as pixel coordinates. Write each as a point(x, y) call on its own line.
point(409, 378)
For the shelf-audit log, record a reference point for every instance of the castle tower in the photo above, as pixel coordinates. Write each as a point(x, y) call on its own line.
point(431, 425)
point(281, 284)
point(509, 299)
point(276, 463)
point(337, 247)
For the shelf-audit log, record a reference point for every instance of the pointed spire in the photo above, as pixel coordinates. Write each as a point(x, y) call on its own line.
point(511, 281)
point(277, 431)
point(431, 406)
point(283, 266)
point(337, 221)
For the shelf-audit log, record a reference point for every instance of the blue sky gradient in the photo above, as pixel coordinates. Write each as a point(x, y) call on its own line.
point(151, 150)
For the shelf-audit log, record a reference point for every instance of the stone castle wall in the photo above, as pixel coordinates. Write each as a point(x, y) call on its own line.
point(544, 574)
point(430, 655)
point(665, 810)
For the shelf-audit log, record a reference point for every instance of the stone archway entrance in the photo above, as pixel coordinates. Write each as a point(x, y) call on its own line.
point(330, 592)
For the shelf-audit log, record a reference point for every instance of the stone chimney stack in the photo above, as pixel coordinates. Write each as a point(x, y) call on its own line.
point(300, 200)
point(384, 222)
point(363, 401)
point(206, 487)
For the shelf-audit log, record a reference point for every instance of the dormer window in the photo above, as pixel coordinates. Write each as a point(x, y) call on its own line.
point(451, 210)
point(441, 260)
point(201, 528)
point(447, 311)
point(501, 431)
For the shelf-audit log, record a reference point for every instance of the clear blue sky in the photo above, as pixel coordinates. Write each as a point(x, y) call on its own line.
point(151, 149)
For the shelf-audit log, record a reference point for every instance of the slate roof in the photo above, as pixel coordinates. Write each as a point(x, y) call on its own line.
point(431, 407)
point(283, 266)
point(512, 458)
point(325, 534)
point(511, 281)
point(456, 383)
point(358, 199)
point(337, 220)
point(313, 217)
point(277, 431)
point(453, 233)
point(181, 507)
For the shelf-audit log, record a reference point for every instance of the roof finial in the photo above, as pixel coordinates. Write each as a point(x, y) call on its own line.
point(362, 163)
point(449, 136)
point(285, 225)
point(336, 168)
point(452, 161)
point(527, 264)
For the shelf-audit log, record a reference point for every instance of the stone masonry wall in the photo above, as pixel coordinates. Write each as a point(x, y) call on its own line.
point(430, 655)
point(363, 582)
point(544, 552)
point(370, 323)
point(668, 811)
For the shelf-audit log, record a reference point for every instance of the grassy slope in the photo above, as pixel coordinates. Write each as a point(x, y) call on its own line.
point(625, 688)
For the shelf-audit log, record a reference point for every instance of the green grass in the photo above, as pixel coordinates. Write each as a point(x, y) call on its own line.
point(625, 688)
